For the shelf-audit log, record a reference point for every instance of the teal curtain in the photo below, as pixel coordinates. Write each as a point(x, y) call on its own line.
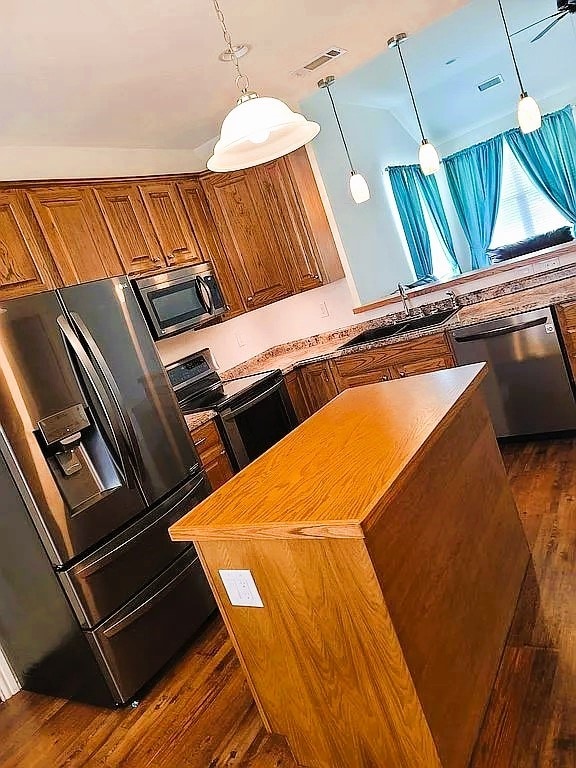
point(428, 187)
point(475, 181)
point(405, 192)
point(548, 156)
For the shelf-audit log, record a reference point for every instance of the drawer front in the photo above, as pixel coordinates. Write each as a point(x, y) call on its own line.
point(102, 582)
point(424, 366)
point(219, 470)
point(207, 441)
point(362, 368)
point(136, 642)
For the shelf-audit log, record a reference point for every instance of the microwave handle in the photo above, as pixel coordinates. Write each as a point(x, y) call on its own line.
point(206, 295)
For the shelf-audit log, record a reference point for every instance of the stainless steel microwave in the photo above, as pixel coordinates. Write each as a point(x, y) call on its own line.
point(179, 300)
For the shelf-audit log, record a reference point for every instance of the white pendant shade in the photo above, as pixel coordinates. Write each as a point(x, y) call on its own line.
point(359, 188)
point(428, 157)
point(529, 115)
point(257, 130)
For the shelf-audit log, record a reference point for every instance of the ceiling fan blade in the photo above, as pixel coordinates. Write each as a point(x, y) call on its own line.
point(549, 27)
point(535, 23)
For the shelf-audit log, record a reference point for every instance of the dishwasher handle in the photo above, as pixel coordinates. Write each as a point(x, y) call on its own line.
point(503, 331)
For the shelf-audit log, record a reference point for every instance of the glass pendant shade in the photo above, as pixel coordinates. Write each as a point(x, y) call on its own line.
point(359, 188)
point(428, 157)
point(529, 115)
point(259, 129)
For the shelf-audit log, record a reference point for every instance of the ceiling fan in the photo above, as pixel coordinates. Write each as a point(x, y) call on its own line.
point(565, 7)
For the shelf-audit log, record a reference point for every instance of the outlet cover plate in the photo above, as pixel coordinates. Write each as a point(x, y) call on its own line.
point(241, 588)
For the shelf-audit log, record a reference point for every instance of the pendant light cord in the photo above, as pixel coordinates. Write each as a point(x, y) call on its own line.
point(242, 81)
point(411, 91)
point(340, 128)
point(511, 47)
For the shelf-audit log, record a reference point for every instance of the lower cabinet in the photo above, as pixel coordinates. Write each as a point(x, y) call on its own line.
point(318, 384)
point(566, 314)
point(212, 454)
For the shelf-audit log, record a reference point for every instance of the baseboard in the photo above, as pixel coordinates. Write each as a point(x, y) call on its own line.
point(9, 683)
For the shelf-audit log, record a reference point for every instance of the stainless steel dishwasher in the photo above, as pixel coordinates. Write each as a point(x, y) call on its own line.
point(528, 389)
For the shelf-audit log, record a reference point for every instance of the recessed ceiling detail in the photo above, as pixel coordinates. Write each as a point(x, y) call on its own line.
point(321, 60)
point(491, 83)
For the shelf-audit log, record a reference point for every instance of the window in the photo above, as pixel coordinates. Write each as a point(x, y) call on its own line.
point(524, 211)
point(441, 265)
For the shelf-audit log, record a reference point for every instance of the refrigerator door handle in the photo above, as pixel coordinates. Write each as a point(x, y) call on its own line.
point(108, 378)
point(106, 404)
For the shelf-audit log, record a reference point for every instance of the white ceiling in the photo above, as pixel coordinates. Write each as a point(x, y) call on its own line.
point(144, 73)
point(448, 99)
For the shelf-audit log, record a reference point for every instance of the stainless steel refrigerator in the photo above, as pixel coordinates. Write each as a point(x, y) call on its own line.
point(105, 464)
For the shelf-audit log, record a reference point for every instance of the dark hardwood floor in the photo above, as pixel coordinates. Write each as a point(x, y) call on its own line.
point(201, 715)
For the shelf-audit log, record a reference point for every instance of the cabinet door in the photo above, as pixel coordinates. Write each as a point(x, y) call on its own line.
point(23, 266)
point(210, 244)
point(423, 366)
point(219, 470)
point(311, 204)
point(170, 223)
point(212, 454)
point(297, 390)
point(319, 384)
point(130, 227)
point(76, 233)
point(362, 368)
point(291, 224)
point(240, 211)
point(566, 314)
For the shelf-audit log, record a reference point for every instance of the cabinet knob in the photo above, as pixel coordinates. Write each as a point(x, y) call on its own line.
point(402, 374)
point(384, 378)
point(156, 259)
point(227, 307)
point(250, 298)
point(316, 277)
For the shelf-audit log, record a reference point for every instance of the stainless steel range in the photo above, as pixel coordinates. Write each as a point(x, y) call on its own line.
point(254, 412)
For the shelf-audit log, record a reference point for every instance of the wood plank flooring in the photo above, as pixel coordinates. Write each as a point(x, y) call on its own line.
point(200, 713)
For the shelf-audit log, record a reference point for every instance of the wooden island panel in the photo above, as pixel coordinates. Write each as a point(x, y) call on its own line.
point(387, 550)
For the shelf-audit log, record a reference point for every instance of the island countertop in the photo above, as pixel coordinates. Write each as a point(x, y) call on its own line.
point(333, 474)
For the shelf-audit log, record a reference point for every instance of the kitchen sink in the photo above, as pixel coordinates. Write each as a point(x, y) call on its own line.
point(402, 326)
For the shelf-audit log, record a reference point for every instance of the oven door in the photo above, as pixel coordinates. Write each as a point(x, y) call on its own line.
point(257, 422)
point(179, 301)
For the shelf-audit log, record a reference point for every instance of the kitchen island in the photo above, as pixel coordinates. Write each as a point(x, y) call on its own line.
point(385, 557)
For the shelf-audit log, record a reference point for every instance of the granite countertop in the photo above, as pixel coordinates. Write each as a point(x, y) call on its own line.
point(291, 355)
point(195, 420)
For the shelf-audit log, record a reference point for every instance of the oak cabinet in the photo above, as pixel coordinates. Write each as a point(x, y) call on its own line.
point(74, 229)
point(170, 223)
point(212, 454)
point(24, 267)
point(241, 216)
point(405, 358)
point(298, 395)
point(566, 314)
point(209, 243)
point(319, 385)
point(129, 227)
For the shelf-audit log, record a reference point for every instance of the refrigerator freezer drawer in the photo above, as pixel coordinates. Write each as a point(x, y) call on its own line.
point(102, 582)
point(136, 642)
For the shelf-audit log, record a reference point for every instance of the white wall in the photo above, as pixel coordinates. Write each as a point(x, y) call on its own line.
point(29, 163)
point(374, 248)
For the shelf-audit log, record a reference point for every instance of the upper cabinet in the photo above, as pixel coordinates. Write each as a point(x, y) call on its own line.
point(170, 223)
point(24, 267)
point(130, 227)
point(76, 233)
point(210, 245)
point(240, 211)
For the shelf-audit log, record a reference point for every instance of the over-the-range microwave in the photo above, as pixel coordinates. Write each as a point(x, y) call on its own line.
point(179, 300)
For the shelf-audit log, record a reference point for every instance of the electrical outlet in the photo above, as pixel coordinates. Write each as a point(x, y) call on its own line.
point(546, 266)
point(324, 310)
point(524, 271)
point(240, 340)
point(241, 588)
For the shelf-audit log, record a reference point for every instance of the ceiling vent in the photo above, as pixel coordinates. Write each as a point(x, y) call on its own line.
point(320, 60)
point(491, 83)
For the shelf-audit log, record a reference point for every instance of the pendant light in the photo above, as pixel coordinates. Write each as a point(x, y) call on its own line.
point(358, 186)
point(529, 115)
point(259, 128)
point(427, 156)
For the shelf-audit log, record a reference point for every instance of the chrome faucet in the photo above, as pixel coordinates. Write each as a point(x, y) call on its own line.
point(404, 295)
point(454, 299)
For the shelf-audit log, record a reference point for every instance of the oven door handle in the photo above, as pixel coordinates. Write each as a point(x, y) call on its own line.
point(233, 412)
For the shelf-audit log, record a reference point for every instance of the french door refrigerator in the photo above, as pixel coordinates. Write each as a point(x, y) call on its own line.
point(106, 464)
